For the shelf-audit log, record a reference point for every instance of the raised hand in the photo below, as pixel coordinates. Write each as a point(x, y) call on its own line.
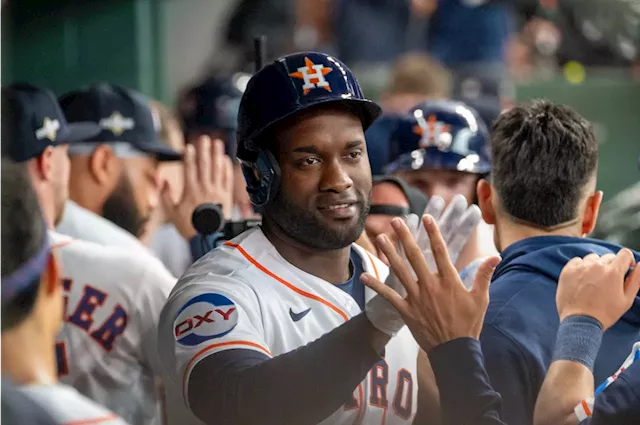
point(208, 177)
point(437, 307)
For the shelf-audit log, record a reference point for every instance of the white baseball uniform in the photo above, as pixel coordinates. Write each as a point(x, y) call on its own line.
point(106, 348)
point(245, 295)
point(67, 406)
point(81, 223)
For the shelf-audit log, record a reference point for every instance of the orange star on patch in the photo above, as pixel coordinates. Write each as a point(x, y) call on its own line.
point(313, 76)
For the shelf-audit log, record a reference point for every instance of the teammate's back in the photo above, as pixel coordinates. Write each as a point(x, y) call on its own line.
point(106, 348)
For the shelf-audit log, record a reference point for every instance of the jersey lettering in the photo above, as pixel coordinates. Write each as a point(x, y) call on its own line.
point(92, 298)
point(379, 381)
point(66, 287)
point(83, 316)
point(61, 357)
point(111, 328)
point(403, 399)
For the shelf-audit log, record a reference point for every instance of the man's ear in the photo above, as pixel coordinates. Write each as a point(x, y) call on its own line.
point(591, 211)
point(103, 163)
point(485, 193)
point(43, 165)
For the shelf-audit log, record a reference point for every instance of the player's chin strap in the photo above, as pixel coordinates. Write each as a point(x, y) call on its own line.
point(393, 210)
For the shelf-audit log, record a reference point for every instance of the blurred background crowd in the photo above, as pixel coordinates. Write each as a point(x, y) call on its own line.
point(190, 56)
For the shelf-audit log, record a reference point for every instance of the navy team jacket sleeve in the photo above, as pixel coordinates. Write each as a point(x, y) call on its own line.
point(513, 374)
point(619, 404)
point(304, 386)
point(466, 396)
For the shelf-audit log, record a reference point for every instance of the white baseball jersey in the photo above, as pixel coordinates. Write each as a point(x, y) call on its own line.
point(245, 295)
point(80, 223)
point(106, 348)
point(66, 406)
point(171, 248)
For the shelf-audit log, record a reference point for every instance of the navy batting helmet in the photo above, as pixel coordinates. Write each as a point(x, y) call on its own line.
point(213, 106)
point(281, 89)
point(440, 134)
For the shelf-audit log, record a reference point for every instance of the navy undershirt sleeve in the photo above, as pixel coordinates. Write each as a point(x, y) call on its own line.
point(466, 396)
point(301, 387)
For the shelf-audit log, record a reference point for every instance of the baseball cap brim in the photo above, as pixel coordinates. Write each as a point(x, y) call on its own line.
point(78, 132)
point(158, 151)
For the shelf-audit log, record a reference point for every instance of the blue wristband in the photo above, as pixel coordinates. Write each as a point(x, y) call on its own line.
point(578, 340)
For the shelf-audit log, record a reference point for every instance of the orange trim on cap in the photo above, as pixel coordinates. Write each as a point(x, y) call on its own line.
point(211, 347)
point(285, 283)
point(112, 416)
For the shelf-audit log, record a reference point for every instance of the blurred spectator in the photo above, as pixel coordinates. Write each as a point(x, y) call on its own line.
point(415, 78)
point(211, 108)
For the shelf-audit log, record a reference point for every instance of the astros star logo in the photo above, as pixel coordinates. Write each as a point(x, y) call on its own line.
point(433, 133)
point(313, 76)
point(116, 123)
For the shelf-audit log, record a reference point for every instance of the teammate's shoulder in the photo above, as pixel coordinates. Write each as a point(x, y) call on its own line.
point(66, 405)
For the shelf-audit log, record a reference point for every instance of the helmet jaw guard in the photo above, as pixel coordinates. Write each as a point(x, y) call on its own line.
point(280, 90)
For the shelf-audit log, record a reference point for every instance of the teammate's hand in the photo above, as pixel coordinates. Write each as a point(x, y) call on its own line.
point(437, 308)
point(208, 177)
point(595, 286)
point(457, 221)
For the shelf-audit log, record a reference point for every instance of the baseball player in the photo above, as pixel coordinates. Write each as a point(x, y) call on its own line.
point(32, 308)
point(106, 347)
point(442, 148)
point(269, 328)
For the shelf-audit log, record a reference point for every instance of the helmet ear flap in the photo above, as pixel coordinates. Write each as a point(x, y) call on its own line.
point(262, 176)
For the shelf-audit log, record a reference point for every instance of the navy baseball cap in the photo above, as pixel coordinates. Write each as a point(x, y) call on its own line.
point(32, 120)
point(123, 115)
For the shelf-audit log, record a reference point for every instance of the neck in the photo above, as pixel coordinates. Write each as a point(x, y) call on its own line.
point(47, 204)
point(332, 266)
point(27, 354)
point(510, 232)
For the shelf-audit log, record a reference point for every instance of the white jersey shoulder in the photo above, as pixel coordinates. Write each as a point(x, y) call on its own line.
point(106, 347)
point(66, 406)
point(80, 223)
point(246, 295)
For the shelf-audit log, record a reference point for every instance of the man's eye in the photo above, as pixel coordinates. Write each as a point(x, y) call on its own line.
point(355, 155)
point(309, 161)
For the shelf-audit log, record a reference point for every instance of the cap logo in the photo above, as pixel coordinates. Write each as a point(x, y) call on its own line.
point(313, 76)
point(116, 123)
point(433, 133)
point(48, 130)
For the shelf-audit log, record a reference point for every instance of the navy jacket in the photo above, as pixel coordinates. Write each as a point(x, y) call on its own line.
point(520, 327)
point(466, 397)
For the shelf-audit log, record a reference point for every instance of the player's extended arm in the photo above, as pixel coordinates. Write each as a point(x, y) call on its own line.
point(593, 294)
point(568, 382)
point(304, 386)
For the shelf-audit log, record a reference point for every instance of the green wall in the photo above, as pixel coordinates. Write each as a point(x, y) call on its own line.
point(613, 105)
point(64, 45)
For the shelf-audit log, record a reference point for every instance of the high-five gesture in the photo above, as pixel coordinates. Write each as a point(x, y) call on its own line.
point(438, 308)
point(208, 177)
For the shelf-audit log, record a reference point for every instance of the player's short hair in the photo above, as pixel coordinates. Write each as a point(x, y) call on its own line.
point(419, 73)
point(23, 235)
point(543, 156)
